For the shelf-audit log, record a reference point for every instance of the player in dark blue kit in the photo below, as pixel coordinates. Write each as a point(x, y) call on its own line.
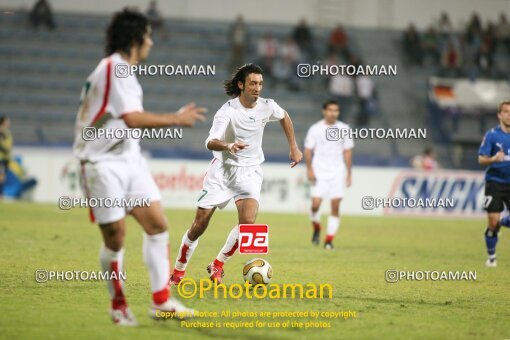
point(495, 154)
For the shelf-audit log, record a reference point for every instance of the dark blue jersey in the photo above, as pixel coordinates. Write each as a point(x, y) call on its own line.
point(496, 140)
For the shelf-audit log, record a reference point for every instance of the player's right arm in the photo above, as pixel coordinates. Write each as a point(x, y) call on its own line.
point(309, 146)
point(484, 153)
point(125, 99)
point(309, 169)
point(215, 140)
point(486, 160)
point(186, 116)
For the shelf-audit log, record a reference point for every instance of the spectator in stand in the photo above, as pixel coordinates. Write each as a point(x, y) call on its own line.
point(341, 88)
point(155, 19)
point(451, 61)
point(473, 35)
point(445, 27)
point(489, 38)
point(425, 161)
point(238, 37)
point(412, 46)
point(472, 43)
point(286, 63)
point(475, 24)
point(430, 45)
point(267, 51)
point(338, 41)
point(503, 32)
point(367, 100)
point(5, 150)
point(484, 61)
point(154, 16)
point(41, 13)
point(303, 37)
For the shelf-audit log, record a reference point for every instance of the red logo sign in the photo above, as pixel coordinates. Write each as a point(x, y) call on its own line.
point(253, 238)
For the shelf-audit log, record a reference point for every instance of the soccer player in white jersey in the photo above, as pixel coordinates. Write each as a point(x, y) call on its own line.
point(115, 168)
point(235, 173)
point(328, 156)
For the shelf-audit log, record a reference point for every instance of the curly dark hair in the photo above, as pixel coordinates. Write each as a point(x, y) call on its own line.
point(126, 30)
point(240, 75)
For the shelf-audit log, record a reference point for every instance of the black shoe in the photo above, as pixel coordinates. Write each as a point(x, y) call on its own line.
point(316, 237)
point(328, 246)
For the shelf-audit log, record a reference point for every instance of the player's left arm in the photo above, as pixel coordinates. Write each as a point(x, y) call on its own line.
point(295, 154)
point(348, 165)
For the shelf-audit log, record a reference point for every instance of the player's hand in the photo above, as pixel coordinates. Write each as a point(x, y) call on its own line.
point(189, 114)
point(499, 156)
point(234, 147)
point(295, 156)
point(348, 180)
point(311, 176)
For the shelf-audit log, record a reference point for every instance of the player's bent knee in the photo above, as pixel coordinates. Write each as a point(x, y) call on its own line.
point(113, 236)
point(157, 228)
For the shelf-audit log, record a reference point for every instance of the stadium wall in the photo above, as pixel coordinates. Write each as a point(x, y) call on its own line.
point(392, 14)
point(284, 190)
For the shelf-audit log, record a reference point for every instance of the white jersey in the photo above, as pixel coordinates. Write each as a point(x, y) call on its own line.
point(328, 153)
point(105, 99)
point(235, 123)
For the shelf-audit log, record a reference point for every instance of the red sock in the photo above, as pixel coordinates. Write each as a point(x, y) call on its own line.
point(316, 226)
point(161, 296)
point(329, 238)
point(118, 300)
point(218, 263)
point(179, 272)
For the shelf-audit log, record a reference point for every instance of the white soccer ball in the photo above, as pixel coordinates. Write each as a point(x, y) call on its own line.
point(257, 271)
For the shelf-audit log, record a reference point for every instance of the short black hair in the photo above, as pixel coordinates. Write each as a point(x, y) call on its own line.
point(3, 118)
point(240, 75)
point(330, 102)
point(126, 29)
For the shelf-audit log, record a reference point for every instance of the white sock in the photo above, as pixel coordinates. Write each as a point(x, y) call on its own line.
point(333, 225)
point(315, 216)
point(113, 261)
point(185, 252)
point(155, 255)
point(230, 246)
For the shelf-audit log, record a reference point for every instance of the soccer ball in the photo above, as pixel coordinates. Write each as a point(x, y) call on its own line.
point(257, 271)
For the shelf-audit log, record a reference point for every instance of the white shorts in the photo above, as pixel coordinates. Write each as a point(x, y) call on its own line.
point(224, 182)
point(117, 180)
point(333, 187)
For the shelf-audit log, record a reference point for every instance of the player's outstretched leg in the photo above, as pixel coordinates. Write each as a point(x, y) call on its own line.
point(156, 257)
point(333, 223)
point(112, 259)
point(315, 218)
point(491, 239)
point(190, 242)
point(247, 209)
point(215, 268)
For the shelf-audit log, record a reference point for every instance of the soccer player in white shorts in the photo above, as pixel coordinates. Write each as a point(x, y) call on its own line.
point(114, 167)
point(235, 173)
point(328, 156)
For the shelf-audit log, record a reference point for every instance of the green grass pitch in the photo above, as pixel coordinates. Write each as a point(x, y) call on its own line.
point(43, 237)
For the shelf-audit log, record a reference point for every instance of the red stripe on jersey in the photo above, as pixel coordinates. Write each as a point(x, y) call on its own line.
point(102, 110)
